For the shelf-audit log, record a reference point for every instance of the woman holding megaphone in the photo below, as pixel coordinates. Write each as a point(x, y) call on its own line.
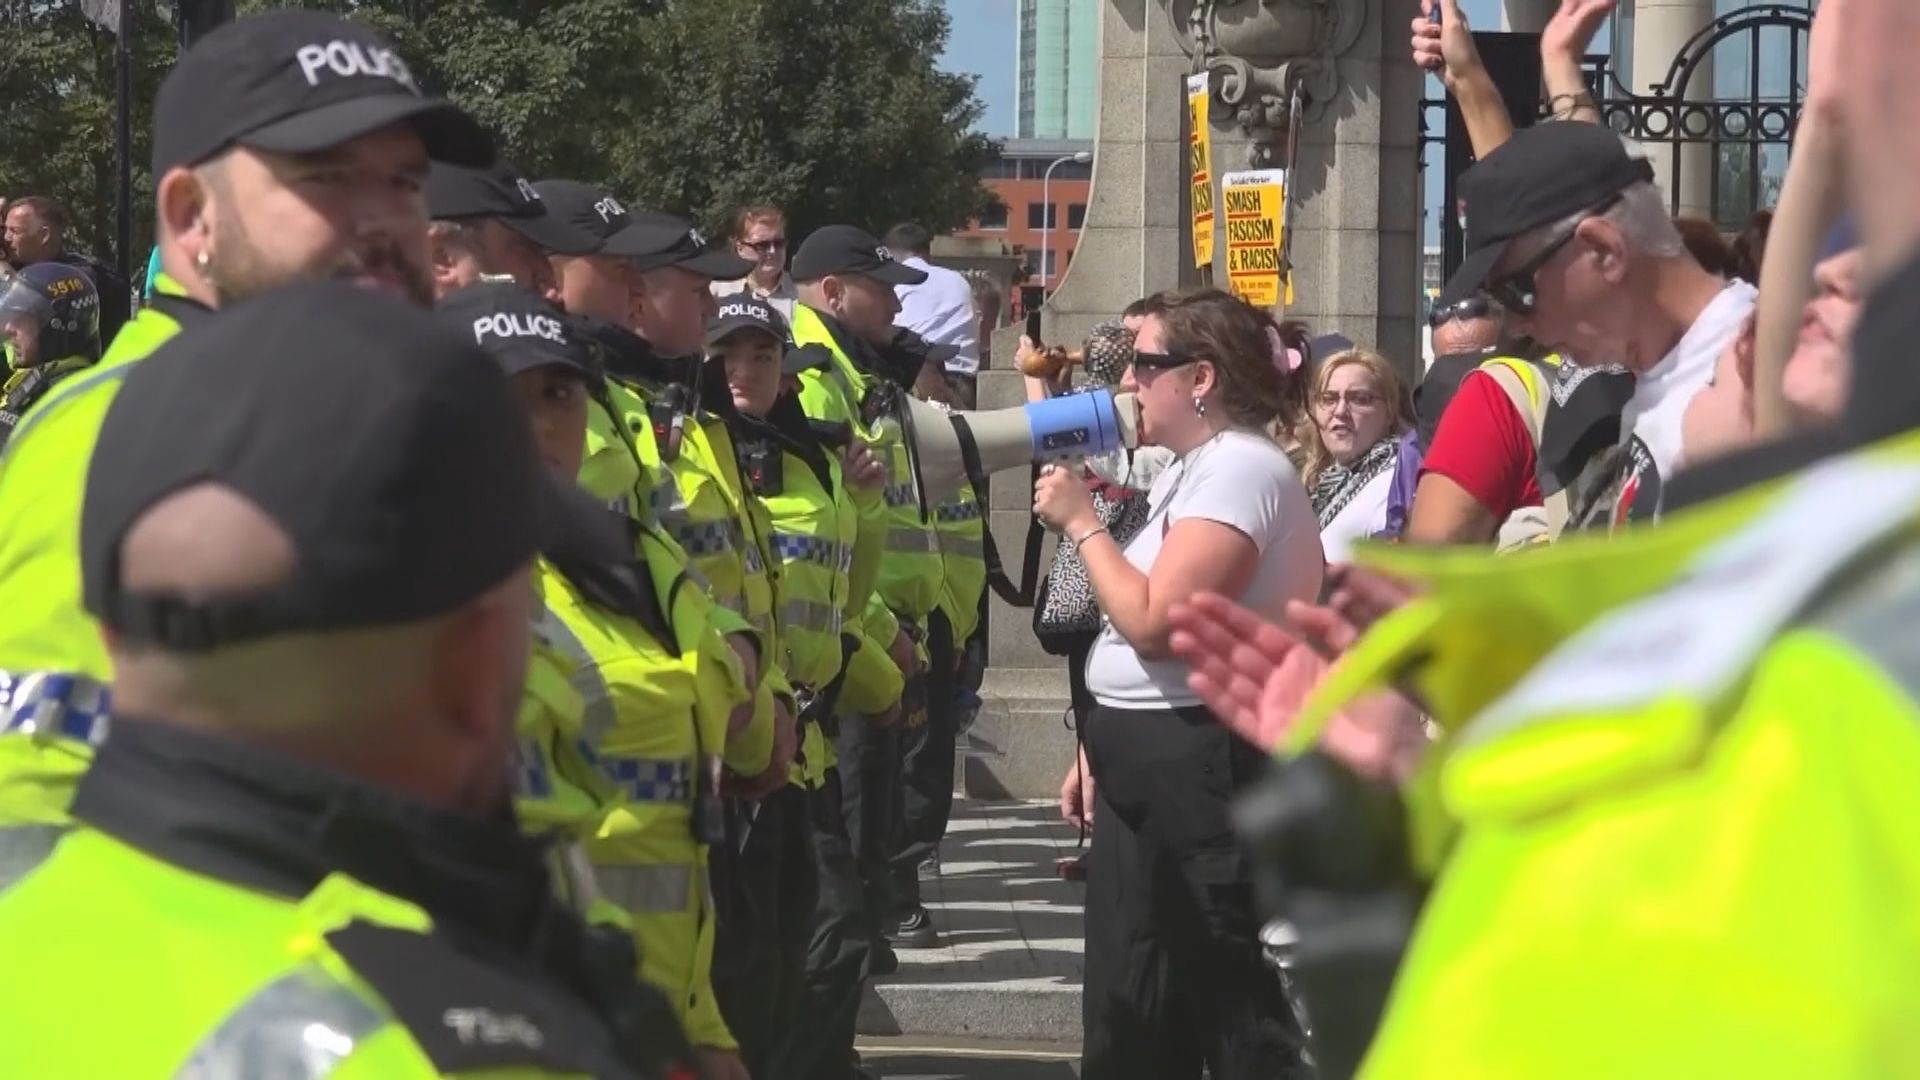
point(1173, 962)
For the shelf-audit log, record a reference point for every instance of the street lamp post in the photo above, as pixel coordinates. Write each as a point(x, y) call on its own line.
point(1046, 213)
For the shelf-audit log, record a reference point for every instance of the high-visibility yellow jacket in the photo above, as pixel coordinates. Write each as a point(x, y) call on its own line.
point(1679, 843)
point(53, 667)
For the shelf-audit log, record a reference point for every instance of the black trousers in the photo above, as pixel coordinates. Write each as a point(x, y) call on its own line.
point(817, 1043)
point(765, 899)
point(870, 803)
point(926, 770)
point(1174, 977)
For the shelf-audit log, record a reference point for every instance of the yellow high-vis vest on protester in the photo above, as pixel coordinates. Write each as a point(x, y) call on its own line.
point(1679, 845)
point(655, 751)
point(53, 667)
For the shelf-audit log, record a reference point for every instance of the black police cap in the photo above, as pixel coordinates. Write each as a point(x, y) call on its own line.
point(651, 240)
point(517, 329)
point(847, 250)
point(395, 456)
point(744, 313)
point(296, 82)
point(1540, 175)
point(457, 193)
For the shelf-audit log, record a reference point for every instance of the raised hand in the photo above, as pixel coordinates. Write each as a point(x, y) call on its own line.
point(1570, 32)
point(1443, 42)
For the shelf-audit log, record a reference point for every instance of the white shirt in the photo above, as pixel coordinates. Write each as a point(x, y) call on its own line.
point(1364, 516)
point(1241, 479)
point(781, 296)
point(940, 309)
point(1650, 425)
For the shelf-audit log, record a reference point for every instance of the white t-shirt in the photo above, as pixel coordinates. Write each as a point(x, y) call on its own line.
point(1364, 516)
point(1650, 425)
point(1240, 479)
point(940, 309)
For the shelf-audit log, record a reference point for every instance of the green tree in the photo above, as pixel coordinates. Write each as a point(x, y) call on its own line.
point(832, 109)
point(57, 119)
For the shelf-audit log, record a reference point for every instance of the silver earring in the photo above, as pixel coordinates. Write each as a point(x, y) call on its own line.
point(200, 262)
point(1199, 407)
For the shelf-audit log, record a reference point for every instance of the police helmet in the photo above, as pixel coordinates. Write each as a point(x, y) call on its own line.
point(50, 312)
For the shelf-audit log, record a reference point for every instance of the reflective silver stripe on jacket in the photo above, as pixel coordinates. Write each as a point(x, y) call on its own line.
point(55, 704)
point(913, 541)
point(646, 890)
point(963, 546)
point(23, 848)
point(597, 712)
point(811, 615)
point(301, 1026)
point(957, 511)
point(900, 495)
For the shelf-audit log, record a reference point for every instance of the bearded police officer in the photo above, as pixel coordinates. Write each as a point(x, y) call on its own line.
point(317, 662)
point(287, 146)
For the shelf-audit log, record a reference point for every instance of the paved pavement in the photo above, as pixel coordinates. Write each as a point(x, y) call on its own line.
point(967, 1059)
point(1009, 963)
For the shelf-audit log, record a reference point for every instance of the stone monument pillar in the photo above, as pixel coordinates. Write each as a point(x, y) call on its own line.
point(1661, 28)
point(1355, 216)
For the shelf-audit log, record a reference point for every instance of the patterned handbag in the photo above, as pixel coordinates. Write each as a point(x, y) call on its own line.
point(1064, 610)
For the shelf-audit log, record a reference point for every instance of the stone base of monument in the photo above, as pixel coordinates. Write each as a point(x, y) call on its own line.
point(1022, 743)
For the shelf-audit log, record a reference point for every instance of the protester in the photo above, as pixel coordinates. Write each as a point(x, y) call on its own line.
point(760, 236)
point(1709, 248)
point(1565, 214)
point(1750, 247)
point(940, 310)
point(1173, 972)
point(1360, 410)
point(1818, 375)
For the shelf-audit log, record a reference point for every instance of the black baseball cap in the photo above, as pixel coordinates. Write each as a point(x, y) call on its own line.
point(742, 313)
point(294, 82)
point(519, 330)
point(1540, 175)
point(847, 250)
point(394, 455)
point(458, 193)
point(651, 240)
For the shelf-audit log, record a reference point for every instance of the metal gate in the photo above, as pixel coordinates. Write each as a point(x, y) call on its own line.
point(1739, 123)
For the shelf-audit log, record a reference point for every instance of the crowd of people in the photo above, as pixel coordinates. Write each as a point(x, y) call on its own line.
point(463, 623)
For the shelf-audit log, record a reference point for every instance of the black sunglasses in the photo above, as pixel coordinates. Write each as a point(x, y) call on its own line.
point(1159, 361)
point(765, 247)
point(1473, 307)
point(1517, 291)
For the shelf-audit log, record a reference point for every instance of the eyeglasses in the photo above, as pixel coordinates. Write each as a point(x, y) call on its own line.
point(1159, 361)
point(1329, 400)
point(1473, 307)
point(766, 247)
point(1517, 291)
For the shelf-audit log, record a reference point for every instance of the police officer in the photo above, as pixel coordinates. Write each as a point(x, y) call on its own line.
point(653, 439)
point(631, 773)
point(50, 324)
point(491, 223)
point(317, 659)
point(799, 1021)
point(847, 304)
point(237, 120)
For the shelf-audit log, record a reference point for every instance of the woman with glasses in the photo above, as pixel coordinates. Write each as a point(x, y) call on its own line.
point(1173, 978)
point(1360, 410)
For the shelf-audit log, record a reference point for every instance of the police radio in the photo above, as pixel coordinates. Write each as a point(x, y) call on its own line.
point(667, 412)
point(763, 467)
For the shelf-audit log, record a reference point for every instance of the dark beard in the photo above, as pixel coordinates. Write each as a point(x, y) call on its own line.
point(238, 272)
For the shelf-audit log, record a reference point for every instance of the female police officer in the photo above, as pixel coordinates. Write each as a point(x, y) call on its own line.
point(809, 475)
point(635, 777)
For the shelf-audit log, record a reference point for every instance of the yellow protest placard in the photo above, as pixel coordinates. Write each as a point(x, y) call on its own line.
point(1200, 169)
point(1255, 204)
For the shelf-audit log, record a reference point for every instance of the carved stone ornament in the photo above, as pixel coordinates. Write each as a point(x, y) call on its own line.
point(1259, 51)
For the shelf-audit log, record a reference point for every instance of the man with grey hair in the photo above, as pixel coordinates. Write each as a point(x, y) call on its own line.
point(1568, 231)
